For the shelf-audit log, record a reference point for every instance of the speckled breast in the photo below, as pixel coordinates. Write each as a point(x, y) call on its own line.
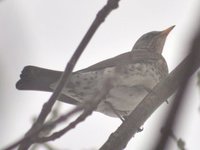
point(83, 85)
point(143, 74)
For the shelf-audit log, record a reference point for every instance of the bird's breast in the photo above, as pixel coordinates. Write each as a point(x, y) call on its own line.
point(83, 85)
point(147, 75)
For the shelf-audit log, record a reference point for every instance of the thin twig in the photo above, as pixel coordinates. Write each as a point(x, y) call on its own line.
point(161, 143)
point(72, 125)
point(61, 119)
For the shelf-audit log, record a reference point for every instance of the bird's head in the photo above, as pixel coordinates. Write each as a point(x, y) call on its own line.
point(153, 41)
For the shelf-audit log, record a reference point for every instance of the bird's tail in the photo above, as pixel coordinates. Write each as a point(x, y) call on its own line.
point(35, 78)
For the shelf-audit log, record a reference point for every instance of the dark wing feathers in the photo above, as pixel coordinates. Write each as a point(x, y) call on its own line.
point(125, 58)
point(106, 63)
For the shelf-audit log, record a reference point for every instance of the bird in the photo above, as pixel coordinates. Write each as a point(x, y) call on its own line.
point(132, 76)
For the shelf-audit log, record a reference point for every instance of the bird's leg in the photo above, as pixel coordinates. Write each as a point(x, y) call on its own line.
point(114, 111)
point(140, 129)
point(122, 118)
point(145, 88)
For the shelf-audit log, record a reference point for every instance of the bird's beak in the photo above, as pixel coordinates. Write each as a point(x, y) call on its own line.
point(166, 31)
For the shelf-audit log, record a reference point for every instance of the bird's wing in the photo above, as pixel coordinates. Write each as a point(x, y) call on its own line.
point(125, 58)
point(106, 63)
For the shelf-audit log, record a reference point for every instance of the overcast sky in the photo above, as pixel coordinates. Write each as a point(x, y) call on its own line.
point(45, 33)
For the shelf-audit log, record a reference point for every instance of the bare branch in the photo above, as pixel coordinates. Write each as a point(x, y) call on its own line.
point(44, 127)
point(72, 125)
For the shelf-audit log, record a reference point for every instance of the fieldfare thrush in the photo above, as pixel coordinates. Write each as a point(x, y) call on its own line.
point(132, 75)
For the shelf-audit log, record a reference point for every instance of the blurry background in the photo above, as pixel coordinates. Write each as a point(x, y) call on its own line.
point(45, 33)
